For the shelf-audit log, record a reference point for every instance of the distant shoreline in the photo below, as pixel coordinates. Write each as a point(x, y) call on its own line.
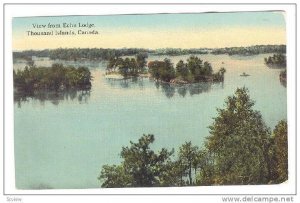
point(106, 53)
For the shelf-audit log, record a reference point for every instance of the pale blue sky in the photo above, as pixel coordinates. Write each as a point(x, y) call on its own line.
point(165, 20)
point(161, 22)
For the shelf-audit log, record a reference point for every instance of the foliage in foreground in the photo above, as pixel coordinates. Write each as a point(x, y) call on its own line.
point(141, 167)
point(240, 150)
point(239, 142)
point(281, 151)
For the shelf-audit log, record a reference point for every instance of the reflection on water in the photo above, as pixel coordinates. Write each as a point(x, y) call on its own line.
point(193, 89)
point(65, 146)
point(54, 97)
point(283, 83)
point(168, 89)
point(126, 83)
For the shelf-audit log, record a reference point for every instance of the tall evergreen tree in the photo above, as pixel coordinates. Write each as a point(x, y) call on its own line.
point(239, 143)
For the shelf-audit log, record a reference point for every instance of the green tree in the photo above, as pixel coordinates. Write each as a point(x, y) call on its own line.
point(34, 79)
point(154, 68)
point(141, 60)
point(162, 70)
point(207, 69)
point(222, 71)
point(205, 175)
point(182, 71)
point(195, 65)
point(115, 177)
point(141, 167)
point(239, 143)
point(173, 174)
point(167, 73)
point(276, 60)
point(84, 76)
point(124, 67)
point(112, 64)
point(133, 67)
point(281, 150)
point(219, 76)
point(188, 157)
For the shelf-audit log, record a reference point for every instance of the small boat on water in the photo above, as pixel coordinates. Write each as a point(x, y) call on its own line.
point(244, 74)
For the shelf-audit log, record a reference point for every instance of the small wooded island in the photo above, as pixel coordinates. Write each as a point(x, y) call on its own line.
point(277, 60)
point(192, 71)
point(56, 78)
point(282, 77)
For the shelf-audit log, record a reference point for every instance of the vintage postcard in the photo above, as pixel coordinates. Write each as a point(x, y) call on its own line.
point(151, 100)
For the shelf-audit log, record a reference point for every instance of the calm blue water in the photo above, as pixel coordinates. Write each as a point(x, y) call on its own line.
point(63, 142)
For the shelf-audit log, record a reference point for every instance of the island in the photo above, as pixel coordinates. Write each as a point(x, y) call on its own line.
point(194, 70)
point(57, 78)
point(276, 61)
point(282, 77)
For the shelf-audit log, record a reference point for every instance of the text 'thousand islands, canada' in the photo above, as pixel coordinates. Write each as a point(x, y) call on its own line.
point(61, 32)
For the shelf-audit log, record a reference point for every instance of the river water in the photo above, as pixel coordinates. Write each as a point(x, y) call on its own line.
point(63, 141)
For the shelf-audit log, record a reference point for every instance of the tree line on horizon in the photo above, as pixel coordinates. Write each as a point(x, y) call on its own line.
point(107, 54)
point(251, 50)
point(240, 150)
